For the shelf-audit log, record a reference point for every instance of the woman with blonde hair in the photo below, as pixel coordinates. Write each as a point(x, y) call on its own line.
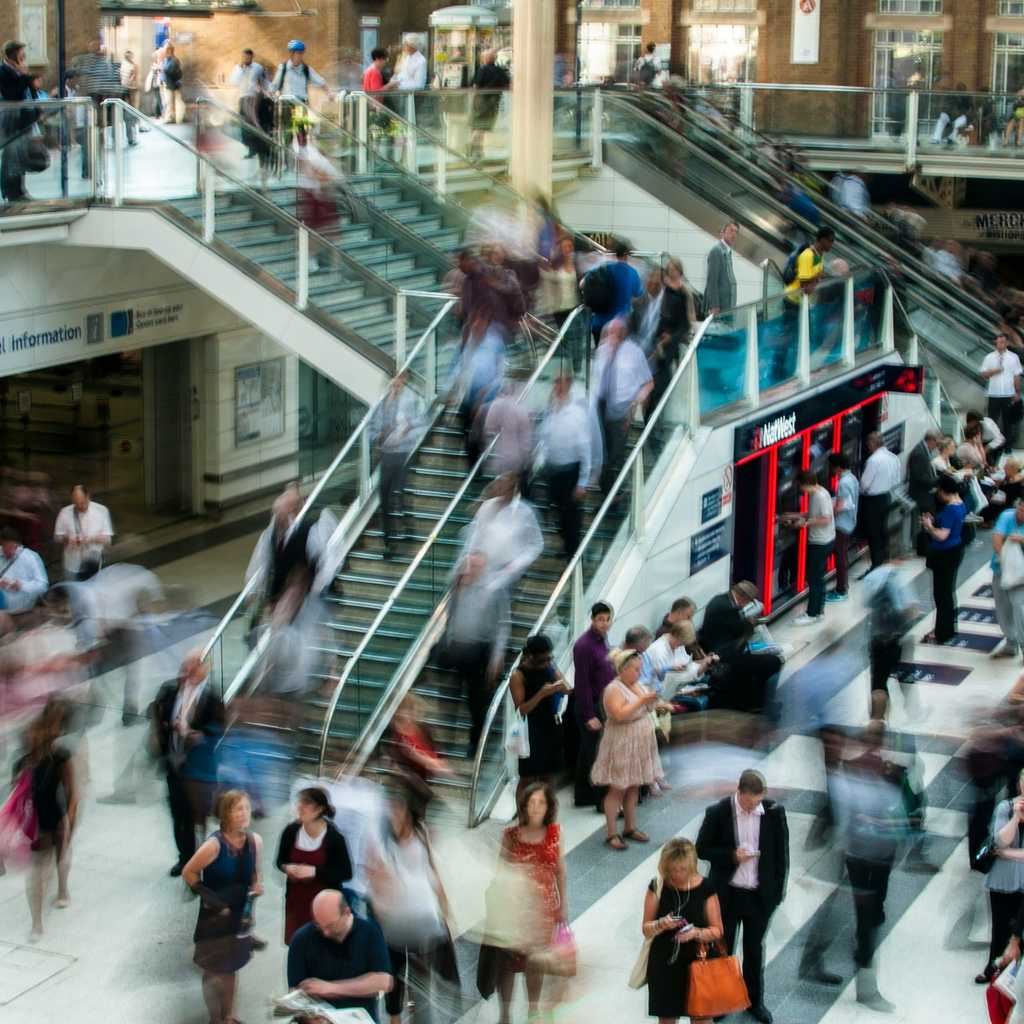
point(681, 911)
point(225, 873)
point(627, 757)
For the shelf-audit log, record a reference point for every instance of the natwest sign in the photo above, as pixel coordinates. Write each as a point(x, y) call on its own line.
point(773, 431)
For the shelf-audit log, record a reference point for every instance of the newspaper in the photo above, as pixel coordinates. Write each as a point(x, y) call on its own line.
point(298, 1004)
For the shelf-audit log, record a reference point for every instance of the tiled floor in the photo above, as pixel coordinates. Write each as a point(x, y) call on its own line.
point(124, 949)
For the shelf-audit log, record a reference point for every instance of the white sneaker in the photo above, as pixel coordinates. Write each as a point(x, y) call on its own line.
point(807, 620)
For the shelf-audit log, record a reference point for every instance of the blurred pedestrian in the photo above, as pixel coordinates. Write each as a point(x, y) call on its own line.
point(22, 576)
point(627, 757)
point(373, 75)
point(922, 474)
point(411, 906)
point(284, 547)
point(130, 84)
point(396, 426)
point(55, 793)
point(476, 373)
point(85, 531)
point(313, 856)
point(534, 843)
point(508, 424)
point(944, 556)
point(681, 912)
point(172, 98)
point(15, 81)
point(891, 612)
point(559, 282)
point(225, 874)
point(881, 476)
point(745, 839)
point(537, 687)
point(566, 444)
point(592, 672)
point(678, 315)
point(1002, 369)
point(616, 284)
point(490, 80)
point(187, 719)
point(819, 521)
point(844, 512)
point(411, 745)
point(1008, 529)
point(620, 383)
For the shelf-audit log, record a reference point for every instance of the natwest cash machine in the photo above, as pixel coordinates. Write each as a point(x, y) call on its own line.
point(770, 451)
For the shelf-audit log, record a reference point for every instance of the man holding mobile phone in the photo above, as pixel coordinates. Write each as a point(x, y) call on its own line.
point(745, 838)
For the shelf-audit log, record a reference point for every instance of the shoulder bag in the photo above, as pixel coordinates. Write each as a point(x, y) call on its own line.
point(1011, 565)
point(638, 976)
point(716, 986)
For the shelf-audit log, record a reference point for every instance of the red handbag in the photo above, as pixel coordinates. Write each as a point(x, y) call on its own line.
point(716, 987)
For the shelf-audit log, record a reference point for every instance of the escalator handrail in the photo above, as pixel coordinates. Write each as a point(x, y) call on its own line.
point(355, 438)
point(938, 308)
point(565, 579)
point(377, 720)
point(854, 226)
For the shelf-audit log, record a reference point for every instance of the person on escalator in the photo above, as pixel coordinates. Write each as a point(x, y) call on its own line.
point(720, 289)
point(851, 193)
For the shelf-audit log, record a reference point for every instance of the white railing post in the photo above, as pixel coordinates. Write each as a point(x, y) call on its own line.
point(302, 271)
point(849, 353)
point(118, 152)
point(913, 110)
point(888, 324)
point(362, 133)
point(596, 119)
point(803, 351)
point(747, 106)
point(936, 403)
point(431, 368)
point(752, 367)
point(364, 465)
point(637, 502)
point(441, 162)
point(209, 202)
point(578, 613)
point(401, 313)
point(913, 351)
point(94, 162)
point(693, 397)
point(411, 150)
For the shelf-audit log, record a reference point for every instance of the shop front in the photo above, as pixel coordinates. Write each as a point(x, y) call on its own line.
point(769, 454)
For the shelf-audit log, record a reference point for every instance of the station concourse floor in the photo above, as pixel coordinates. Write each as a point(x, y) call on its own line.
point(122, 951)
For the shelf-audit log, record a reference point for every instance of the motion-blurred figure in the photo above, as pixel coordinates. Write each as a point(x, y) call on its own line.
point(508, 421)
point(476, 374)
point(22, 578)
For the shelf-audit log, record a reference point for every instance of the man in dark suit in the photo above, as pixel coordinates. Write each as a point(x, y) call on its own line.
point(187, 720)
point(921, 480)
point(720, 287)
point(745, 839)
point(15, 85)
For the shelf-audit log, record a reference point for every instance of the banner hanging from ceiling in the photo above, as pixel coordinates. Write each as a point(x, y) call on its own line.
point(806, 31)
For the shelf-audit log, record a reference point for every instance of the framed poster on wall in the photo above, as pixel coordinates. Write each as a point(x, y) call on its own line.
point(32, 29)
point(806, 31)
point(259, 401)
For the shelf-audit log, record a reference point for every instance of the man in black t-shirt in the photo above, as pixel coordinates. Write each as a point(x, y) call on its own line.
point(490, 78)
point(339, 957)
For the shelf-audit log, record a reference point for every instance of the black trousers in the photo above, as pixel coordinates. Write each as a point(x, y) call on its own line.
point(885, 654)
point(586, 794)
point(615, 434)
point(944, 566)
point(471, 661)
point(1001, 410)
point(12, 175)
point(817, 561)
point(875, 520)
point(561, 481)
point(1004, 909)
point(744, 907)
point(746, 682)
point(394, 468)
point(182, 816)
point(870, 883)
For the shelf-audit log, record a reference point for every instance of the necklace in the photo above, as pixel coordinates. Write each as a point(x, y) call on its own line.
point(679, 913)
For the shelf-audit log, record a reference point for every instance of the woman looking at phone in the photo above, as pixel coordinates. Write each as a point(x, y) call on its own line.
point(680, 912)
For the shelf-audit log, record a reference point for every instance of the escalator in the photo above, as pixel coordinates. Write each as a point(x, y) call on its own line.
point(690, 162)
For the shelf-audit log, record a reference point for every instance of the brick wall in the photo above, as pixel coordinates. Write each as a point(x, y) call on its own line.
point(82, 20)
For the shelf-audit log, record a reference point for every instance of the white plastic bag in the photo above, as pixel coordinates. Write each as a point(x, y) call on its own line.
point(1011, 565)
point(517, 739)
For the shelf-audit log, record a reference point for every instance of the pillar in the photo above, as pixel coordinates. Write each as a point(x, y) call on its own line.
point(533, 48)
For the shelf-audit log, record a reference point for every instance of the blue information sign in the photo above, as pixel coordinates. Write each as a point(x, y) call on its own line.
point(709, 546)
point(710, 505)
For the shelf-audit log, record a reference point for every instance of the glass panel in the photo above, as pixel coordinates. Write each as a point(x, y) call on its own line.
point(721, 360)
point(232, 647)
point(868, 301)
point(671, 428)
point(778, 328)
point(165, 168)
point(572, 122)
point(977, 119)
point(839, 115)
point(722, 53)
point(825, 319)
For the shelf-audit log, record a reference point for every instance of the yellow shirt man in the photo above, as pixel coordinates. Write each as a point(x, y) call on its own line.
point(809, 265)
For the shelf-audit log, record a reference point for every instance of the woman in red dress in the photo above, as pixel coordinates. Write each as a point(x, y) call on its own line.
point(536, 843)
point(314, 856)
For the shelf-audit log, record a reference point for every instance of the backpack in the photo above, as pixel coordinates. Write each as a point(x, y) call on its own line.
point(647, 72)
point(789, 270)
point(598, 290)
point(282, 68)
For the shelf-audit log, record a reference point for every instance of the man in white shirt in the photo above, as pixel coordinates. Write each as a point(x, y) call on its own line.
point(819, 522)
point(1002, 370)
point(129, 74)
point(85, 531)
point(412, 74)
point(292, 81)
point(249, 78)
point(567, 450)
point(620, 382)
point(22, 574)
point(668, 654)
point(881, 476)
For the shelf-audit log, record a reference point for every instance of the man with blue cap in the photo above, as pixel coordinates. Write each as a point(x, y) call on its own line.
point(292, 81)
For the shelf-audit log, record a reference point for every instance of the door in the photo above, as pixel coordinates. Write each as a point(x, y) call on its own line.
point(369, 40)
point(167, 414)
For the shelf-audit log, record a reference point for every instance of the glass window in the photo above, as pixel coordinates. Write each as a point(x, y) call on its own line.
point(723, 53)
point(610, 3)
point(608, 50)
point(904, 59)
point(909, 6)
point(724, 6)
point(1008, 62)
point(1011, 8)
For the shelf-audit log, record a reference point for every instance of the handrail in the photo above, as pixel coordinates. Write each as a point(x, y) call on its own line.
point(367, 276)
point(422, 552)
point(566, 577)
point(917, 276)
point(354, 438)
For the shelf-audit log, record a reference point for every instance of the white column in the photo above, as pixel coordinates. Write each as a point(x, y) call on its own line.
point(888, 326)
point(752, 371)
point(596, 135)
point(803, 352)
point(533, 42)
point(849, 325)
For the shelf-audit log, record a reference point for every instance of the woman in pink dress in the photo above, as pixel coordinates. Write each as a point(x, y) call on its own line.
point(628, 755)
